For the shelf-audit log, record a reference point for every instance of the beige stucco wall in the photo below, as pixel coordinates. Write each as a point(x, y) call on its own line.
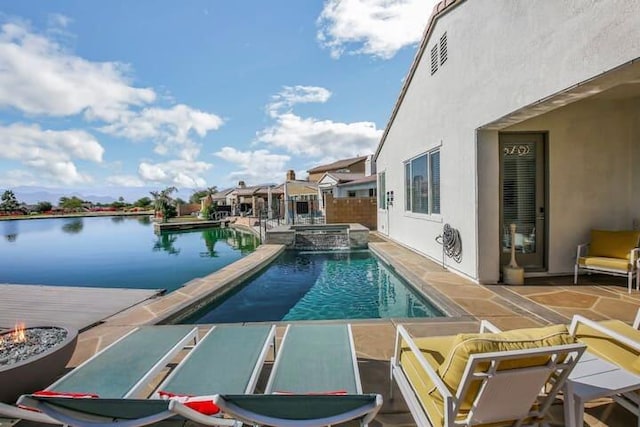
point(592, 161)
point(503, 55)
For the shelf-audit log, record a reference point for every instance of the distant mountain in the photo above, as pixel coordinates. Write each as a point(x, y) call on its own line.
point(32, 194)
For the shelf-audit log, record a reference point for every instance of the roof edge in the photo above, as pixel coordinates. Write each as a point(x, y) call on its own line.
point(440, 9)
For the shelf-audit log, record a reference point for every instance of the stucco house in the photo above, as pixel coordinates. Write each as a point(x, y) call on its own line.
point(515, 111)
point(362, 187)
point(357, 165)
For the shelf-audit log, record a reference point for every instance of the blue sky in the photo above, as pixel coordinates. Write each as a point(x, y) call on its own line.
point(151, 93)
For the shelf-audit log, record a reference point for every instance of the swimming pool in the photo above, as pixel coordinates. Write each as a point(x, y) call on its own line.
point(114, 252)
point(319, 286)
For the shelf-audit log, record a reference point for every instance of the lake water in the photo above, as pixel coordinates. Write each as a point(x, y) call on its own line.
point(115, 252)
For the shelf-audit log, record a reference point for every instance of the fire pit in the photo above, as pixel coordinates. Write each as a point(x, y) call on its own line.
point(32, 358)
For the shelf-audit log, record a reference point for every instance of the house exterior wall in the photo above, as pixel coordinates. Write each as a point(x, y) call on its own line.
point(502, 56)
point(361, 210)
point(577, 160)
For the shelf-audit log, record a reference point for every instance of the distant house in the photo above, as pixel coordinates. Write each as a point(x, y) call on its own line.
point(299, 198)
point(515, 112)
point(356, 165)
point(362, 187)
point(330, 180)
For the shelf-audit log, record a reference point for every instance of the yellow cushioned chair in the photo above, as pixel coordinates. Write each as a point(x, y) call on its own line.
point(484, 379)
point(616, 342)
point(610, 252)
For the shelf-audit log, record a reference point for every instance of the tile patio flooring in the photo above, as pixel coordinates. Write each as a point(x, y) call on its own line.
point(539, 302)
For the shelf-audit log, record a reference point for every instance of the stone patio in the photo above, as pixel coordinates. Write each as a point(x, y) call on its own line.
point(539, 302)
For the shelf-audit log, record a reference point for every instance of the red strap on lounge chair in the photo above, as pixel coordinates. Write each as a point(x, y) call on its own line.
point(202, 404)
point(51, 393)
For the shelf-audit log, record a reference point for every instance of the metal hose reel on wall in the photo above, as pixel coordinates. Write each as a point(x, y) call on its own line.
point(451, 243)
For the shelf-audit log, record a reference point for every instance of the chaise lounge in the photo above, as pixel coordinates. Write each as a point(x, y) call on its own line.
point(314, 382)
point(227, 359)
point(617, 343)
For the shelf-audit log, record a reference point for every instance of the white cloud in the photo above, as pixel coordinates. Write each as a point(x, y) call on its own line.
point(50, 152)
point(372, 27)
point(180, 173)
point(18, 177)
point(325, 140)
point(125, 180)
point(257, 167)
point(38, 76)
point(168, 127)
point(291, 95)
point(58, 21)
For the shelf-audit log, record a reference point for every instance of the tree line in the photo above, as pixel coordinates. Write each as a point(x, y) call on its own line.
point(160, 201)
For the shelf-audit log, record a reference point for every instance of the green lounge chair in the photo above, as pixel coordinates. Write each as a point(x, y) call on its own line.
point(314, 382)
point(228, 358)
point(120, 370)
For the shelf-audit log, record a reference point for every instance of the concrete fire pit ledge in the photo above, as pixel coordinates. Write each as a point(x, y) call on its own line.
point(39, 371)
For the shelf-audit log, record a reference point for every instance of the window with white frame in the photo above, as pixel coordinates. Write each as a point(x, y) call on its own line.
point(382, 193)
point(422, 183)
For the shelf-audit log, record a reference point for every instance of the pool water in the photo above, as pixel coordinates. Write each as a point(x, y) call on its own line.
point(319, 286)
point(114, 252)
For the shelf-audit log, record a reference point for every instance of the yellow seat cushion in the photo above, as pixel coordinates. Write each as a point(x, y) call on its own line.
point(465, 345)
point(612, 244)
point(448, 356)
point(609, 349)
point(434, 350)
point(619, 264)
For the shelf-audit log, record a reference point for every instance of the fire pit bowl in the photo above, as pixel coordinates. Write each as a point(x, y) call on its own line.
point(39, 370)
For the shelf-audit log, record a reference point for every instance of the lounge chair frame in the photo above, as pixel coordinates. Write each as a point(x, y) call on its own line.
point(631, 400)
point(365, 413)
point(496, 385)
point(42, 417)
point(166, 409)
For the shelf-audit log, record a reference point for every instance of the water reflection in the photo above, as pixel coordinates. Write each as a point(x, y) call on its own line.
point(144, 220)
point(244, 242)
point(117, 219)
point(165, 243)
point(73, 226)
point(210, 237)
point(10, 230)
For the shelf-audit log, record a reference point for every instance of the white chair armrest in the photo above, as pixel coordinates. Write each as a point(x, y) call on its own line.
point(582, 250)
point(634, 254)
point(636, 322)
point(486, 326)
point(437, 381)
point(602, 329)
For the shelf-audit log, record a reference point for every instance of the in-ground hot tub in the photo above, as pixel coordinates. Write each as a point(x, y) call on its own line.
point(320, 237)
point(39, 370)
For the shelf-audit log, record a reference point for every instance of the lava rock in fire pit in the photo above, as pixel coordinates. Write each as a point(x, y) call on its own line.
point(32, 365)
point(36, 341)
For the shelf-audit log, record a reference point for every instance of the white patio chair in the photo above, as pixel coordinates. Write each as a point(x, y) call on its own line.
point(472, 379)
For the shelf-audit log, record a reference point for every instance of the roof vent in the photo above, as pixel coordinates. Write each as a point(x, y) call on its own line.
point(443, 48)
point(434, 59)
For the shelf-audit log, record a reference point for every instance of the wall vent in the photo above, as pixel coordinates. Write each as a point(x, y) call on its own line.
point(443, 48)
point(434, 59)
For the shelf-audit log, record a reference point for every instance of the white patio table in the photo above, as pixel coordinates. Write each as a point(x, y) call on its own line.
point(593, 378)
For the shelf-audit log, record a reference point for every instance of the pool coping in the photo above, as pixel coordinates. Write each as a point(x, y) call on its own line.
point(440, 300)
point(198, 292)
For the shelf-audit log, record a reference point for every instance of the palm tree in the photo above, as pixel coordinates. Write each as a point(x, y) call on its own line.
point(162, 202)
